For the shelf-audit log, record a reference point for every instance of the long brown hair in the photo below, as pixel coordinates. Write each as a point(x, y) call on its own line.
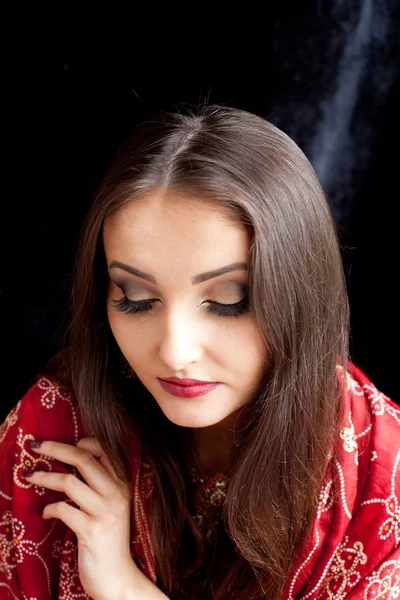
point(297, 292)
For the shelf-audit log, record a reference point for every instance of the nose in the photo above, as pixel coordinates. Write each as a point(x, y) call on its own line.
point(181, 342)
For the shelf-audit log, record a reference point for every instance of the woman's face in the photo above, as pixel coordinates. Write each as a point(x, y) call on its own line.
point(174, 239)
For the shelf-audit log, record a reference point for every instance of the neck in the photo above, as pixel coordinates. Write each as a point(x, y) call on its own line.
point(214, 445)
point(215, 459)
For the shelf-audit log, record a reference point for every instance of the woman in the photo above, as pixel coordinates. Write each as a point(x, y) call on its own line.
point(209, 254)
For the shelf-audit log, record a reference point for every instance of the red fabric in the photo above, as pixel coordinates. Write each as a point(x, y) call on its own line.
point(353, 551)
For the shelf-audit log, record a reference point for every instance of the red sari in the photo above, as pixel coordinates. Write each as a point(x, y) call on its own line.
point(353, 551)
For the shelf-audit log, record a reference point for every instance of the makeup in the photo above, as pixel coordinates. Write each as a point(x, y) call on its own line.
point(187, 391)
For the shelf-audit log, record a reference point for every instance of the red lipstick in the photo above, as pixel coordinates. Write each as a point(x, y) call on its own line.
point(187, 388)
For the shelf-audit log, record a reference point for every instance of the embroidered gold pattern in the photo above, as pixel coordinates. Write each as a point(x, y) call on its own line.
point(344, 573)
point(209, 498)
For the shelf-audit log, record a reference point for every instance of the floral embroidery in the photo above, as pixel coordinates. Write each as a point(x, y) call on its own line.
point(52, 391)
point(384, 583)
point(391, 525)
point(347, 434)
point(344, 573)
point(14, 546)
point(28, 461)
point(379, 403)
point(70, 587)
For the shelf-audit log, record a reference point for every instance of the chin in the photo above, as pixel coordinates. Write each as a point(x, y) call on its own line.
point(186, 417)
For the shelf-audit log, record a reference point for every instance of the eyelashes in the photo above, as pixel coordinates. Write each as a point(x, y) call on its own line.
point(222, 310)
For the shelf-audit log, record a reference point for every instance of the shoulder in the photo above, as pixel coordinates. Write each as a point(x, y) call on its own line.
point(47, 408)
point(369, 485)
point(371, 419)
point(354, 547)
point(47, 411)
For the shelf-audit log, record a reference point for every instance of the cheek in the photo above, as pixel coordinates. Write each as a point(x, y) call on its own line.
point(251, 355)
point(243, 349)
point(132, 338)
point(114, 320)
point(120, 328)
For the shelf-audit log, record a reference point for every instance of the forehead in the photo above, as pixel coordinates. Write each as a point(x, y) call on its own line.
point(171, 222)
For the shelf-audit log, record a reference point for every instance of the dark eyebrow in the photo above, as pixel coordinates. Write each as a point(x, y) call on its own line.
point(195, 279)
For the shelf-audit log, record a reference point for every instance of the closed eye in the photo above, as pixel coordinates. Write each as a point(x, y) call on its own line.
point(222, 310)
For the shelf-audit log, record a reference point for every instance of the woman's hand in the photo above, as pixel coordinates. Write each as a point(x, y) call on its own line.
point(102, 521)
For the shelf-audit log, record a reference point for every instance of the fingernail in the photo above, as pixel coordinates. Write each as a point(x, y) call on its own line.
point(35, 444)
point(28, 473)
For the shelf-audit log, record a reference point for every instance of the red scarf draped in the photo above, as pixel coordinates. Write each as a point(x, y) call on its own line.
point(353, 551)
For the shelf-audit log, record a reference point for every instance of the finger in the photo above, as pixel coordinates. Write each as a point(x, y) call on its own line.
point(93, 446)
point(86, 498)
point(94, 473)
point(74, 518)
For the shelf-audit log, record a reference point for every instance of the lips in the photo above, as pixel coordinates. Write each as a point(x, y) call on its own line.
point(186, 381)
point(187, 391)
